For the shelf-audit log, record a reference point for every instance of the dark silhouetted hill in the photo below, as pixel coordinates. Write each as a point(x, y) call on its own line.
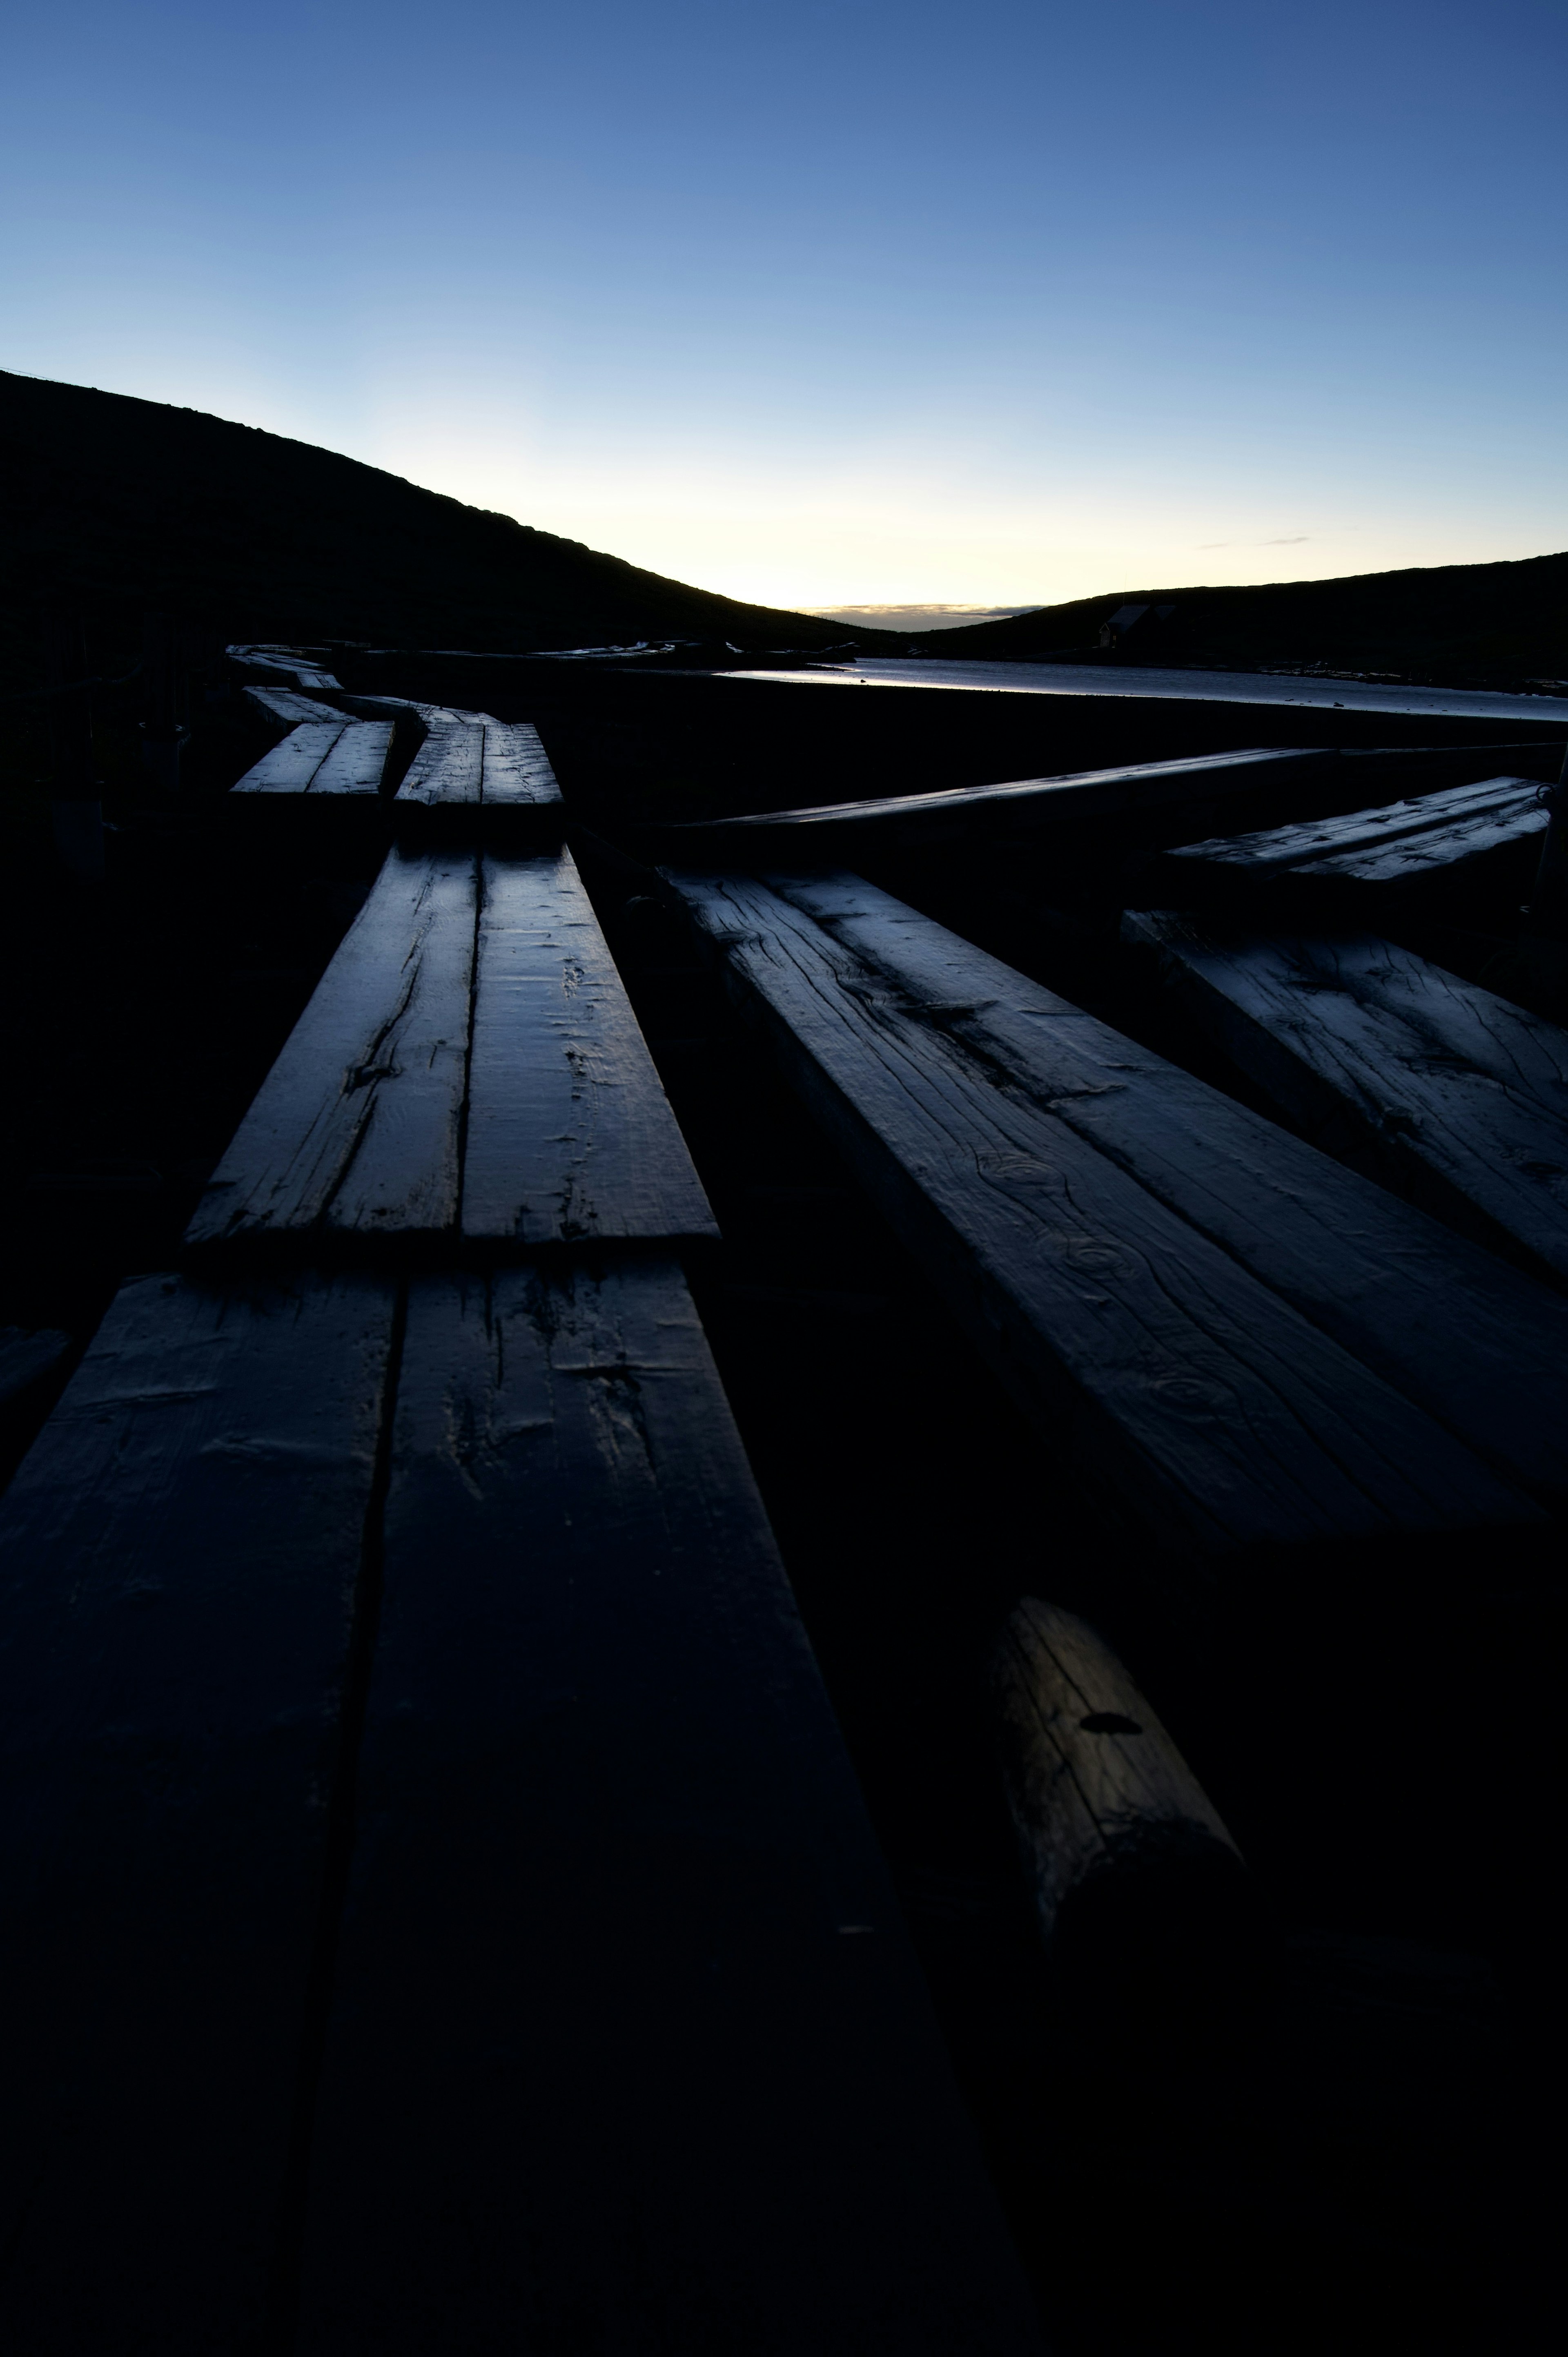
point(114, 505)
point(1453, 625)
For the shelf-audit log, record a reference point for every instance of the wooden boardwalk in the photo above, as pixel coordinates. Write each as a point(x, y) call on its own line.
point(440, 1900)
point(1238, 1335)
point(441, 1906)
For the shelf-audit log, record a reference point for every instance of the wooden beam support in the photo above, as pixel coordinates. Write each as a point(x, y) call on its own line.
point(1449, 1095)
point(1201, 1400)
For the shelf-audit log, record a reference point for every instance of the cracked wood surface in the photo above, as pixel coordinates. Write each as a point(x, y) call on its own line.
point(1428, 838)
point(287, 703)
point(471, 761)
point(1454, 1098)
point(618, 1955)
point(1481, 1346)
point(470, 1063)
point(1206, 1404)
point(180, 1551)
point(355, 1128)
point(570, 1134)
point(319, 757)
point(1137, 802)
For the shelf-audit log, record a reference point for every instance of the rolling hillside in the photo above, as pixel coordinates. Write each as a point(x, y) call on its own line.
point(115, 504)
point(1455, 625)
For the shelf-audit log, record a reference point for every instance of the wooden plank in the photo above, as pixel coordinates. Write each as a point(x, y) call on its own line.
point(471, 766)
point(1200, 1401)
point(1139, 1891)
point(285, 665)
point(285, 704)
point(291, 767)
point(356, 1129)
point(628, 2049)
point(517, 769)
point(180, 1554)
point(418, 1094)
point(1141, 802)
point(570, 1134)
point(1424, 837)
point(1479, 1346)
point(355, 763)
point(1453, 1097)
point(450, 765)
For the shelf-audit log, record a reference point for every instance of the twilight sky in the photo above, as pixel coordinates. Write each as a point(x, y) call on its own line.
point(835, 304)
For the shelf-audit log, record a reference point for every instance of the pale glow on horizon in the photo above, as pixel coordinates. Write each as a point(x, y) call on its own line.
point(837, 310)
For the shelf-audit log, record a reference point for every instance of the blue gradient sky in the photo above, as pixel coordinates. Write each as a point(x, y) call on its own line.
point(838, 302)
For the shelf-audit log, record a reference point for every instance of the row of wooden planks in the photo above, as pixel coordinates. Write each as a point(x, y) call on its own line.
point(468, 768)
point(441, 1909)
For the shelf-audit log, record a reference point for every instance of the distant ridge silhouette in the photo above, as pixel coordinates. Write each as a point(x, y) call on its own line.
point(1497, 626)
point(117, 503)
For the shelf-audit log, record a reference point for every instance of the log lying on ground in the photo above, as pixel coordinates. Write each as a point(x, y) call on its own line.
point(468, 1066)
point(1145, 802)
point(1139, 1888)
point(1454, 1098)
point(1198, 1398)
point(1430, 844)
point(472, 772)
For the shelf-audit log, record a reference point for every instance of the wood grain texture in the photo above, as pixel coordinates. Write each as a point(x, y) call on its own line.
point(1021, 805)
point(469, 1060)
point(1479, 1346)
point(1425, 838)
point(1454, 1098)
point(570, 1134)
point(320, 758)
point(450, 763)
point(629, 2051)
point(517, 768)
point(1100, 1796)
point(1133, 805)
point(287, 703)
point(179, 1555)
point(471, 766)
point(356, 1129)
point(1205, 1404)
point(284, 665)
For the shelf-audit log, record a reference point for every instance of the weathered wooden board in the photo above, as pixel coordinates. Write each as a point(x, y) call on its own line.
point(1135, 1878)
point(178, 1561)
point(517, 769)
point(570, 1134)
point(1202, 1402)
point(357, 1128)
point(450, 764)
point(628, 2049)
point(1139, 804)
point(285, 704)
point(285, 664)
point(1447, 838)
point(422, 1093)
point(1481, 1346)
point(1451, 1096)
point(321, 757)
point(472, 763)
